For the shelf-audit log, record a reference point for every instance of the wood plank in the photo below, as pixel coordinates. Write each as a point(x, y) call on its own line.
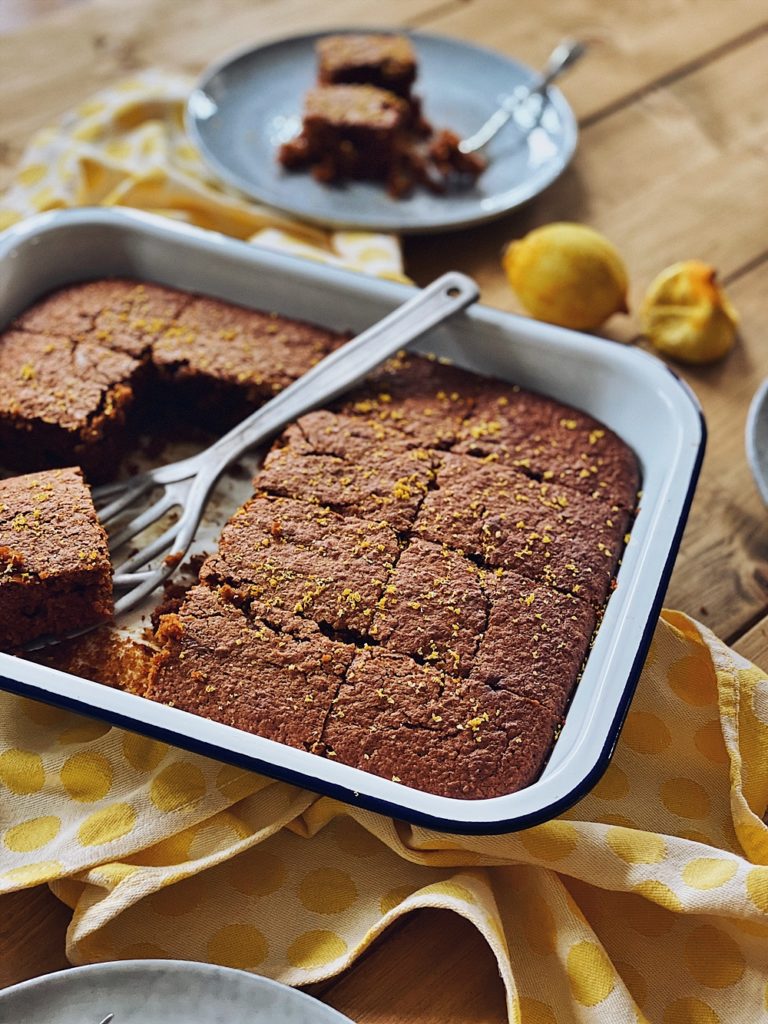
point(33, 925)
point(436, 970)
point(632, 45)
point(754, 644)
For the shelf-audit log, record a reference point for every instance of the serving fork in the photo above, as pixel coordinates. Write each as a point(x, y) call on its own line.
point(187, 484)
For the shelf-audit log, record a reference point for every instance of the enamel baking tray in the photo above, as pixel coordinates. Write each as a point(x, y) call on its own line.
point(633, 393)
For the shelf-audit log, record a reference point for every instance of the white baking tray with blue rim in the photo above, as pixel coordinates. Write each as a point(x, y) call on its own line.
point(633, 393)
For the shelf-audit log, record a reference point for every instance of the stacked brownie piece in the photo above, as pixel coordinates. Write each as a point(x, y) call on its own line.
point(363, 121)
point(414, 585)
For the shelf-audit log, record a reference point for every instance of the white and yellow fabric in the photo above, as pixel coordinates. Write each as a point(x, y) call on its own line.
point(648, 901)
point(127, 147)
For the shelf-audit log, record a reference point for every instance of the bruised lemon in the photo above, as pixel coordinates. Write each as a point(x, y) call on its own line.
point(567, 274)
point(687, 315)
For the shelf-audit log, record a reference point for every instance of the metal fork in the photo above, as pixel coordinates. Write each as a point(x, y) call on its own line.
point(187, 484)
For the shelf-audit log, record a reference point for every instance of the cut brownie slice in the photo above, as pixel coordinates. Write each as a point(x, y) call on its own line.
point(550, 441)
point(388, 488)
point(219, 662)
point(63, 402)
point(416, 725)
point(305, 560)
point(221, 361)
point(55, 573)
point(435, 609)
point(123, 315)
point(386, 61)
point(550, 534)
point(350, 131)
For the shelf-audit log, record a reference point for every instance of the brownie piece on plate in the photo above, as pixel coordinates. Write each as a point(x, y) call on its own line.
point(64, 402)
point(386, 61)
point(55, 573)
point(350, 131)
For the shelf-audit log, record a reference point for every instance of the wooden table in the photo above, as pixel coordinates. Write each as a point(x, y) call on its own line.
point(672, 164)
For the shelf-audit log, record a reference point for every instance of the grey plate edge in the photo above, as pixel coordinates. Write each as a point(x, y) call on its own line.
point(233, 180)
point(153, 965)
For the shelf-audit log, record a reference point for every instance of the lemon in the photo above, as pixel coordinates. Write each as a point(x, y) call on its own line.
point(567, 274)
point(687, 315)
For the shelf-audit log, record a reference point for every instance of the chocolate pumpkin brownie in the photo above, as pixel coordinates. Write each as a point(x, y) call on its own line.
point(305, 560)
point(350, 131)
point(386, 61)
point(222, 361)
point(414, 724)
point(388, 488)
point(221, 662)
point(548, 533)
point(64, 402)
point(55, 573)
point(123, 315)
point(551, 441)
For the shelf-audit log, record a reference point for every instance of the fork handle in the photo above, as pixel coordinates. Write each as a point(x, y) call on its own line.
point(333, 375)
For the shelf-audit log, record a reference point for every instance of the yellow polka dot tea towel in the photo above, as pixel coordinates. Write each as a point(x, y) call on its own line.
point(127, 147)
point(646, 902)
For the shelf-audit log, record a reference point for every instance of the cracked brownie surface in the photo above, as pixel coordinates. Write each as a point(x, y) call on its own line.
point(464, 588)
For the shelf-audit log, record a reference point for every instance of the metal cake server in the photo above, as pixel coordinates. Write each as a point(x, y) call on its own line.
point(564, 56)
point(186, 485)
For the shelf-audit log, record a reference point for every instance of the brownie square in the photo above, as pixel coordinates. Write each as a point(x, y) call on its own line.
point(413, 724)
point(387, 488)
point(305, 560)
point(220, 662)
point(534, 642)
point(550, 441)
point(424, 400)
point(126, 316)
point(349, 131)
point(55, 573)
point(63, 402)
point(222, 361)
point(550, 534)
point(386, 61)
point(436, 608)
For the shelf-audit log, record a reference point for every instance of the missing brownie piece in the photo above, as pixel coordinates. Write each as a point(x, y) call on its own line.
point(64, 402)
point(55, 573)
point(219, 661)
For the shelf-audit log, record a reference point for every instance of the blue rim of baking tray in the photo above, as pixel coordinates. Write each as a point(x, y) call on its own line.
point(346, 793)
point(394, 810)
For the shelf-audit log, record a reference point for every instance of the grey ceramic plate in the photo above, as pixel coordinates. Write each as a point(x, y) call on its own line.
point(756, 438)
point(160, 992)
point(244, 107)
